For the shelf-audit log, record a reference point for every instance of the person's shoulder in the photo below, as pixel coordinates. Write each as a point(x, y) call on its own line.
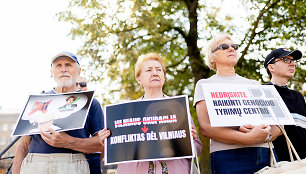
point(94, 100)
point(202, 81)
point(95, 107)
point(254, 82)
point(207, 80)
point(296, 92)
point(246, 80)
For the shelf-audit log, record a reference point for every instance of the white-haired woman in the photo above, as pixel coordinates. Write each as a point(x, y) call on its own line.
point(232, 149)
point(150, 72)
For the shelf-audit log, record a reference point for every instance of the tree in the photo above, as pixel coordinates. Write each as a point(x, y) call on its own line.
point(115, 33)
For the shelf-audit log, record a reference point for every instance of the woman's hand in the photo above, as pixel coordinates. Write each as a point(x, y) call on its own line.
point(246, 128)
point(194, 132)
point(103, 134)
point(256, 134)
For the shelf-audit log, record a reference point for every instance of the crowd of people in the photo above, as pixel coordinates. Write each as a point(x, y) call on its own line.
point(233, 150)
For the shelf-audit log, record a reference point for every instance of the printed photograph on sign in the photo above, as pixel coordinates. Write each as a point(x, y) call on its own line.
point(236, 105)
point(61, 112)
point(144, 130)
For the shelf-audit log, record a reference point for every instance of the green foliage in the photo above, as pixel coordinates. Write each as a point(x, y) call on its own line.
point(281, 24)
point(115, 33)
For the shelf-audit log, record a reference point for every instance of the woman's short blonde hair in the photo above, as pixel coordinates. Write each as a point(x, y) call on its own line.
point(146, 57)
point(211, 45)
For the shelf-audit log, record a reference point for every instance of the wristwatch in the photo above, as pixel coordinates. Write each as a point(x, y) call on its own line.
point(270, 137)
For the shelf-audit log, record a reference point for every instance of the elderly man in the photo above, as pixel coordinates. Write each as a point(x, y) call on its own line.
point(280, 66)
point(61, 152)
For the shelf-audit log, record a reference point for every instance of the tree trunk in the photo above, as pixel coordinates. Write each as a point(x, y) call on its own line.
point(198, 69)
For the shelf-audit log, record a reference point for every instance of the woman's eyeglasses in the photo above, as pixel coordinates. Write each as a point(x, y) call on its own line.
point(82, 84)
point(225, 47)
point(286, 60)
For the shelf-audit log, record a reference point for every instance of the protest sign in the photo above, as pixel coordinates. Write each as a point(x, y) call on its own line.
point(239, 104)
point(62, 112)
point(143, 130)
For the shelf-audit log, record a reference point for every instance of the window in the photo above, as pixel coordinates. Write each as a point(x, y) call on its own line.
point(4, 127)
point(2, 141)
point(12, 127)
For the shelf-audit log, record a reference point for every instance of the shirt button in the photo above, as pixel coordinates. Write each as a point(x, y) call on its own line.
point(51, 157)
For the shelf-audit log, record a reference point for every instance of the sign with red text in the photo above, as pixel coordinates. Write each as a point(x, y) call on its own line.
point(146, 130)
point(239, 104)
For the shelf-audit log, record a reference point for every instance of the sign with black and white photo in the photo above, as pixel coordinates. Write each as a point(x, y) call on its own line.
point(239, 104)
point(144, 130)
point(62, 112)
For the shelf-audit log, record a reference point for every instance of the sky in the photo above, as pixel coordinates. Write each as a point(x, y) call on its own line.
point(30, 35)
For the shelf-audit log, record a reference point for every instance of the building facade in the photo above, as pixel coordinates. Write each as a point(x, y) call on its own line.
point(7, 124)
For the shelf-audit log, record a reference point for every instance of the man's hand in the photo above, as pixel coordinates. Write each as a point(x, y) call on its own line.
point(63, 140)
point(103, 134)
point(54, 138)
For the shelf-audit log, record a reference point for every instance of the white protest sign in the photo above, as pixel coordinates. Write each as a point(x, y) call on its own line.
point(239, 104)
point(63, 112)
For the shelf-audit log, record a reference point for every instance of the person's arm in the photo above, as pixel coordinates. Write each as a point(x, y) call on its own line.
point(21, 153)
point(196, 139)
point(84, 145)
point(275, 132)
point(103, 134)
point(259, 134)
point(63, 140)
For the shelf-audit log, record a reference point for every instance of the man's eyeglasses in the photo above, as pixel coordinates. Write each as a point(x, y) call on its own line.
point(286, 60)
point(225, 47)
point(82, 84)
